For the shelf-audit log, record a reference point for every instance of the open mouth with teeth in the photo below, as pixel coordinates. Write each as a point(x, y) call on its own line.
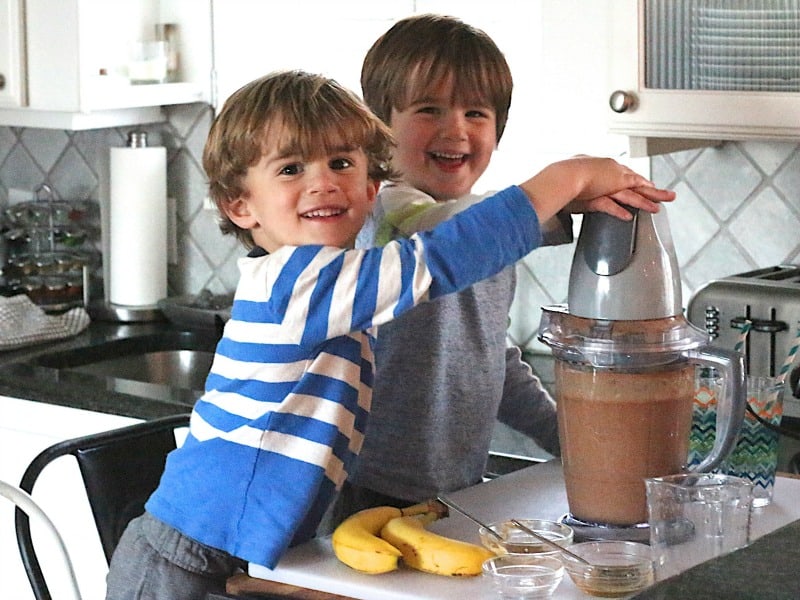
point(321, 213)
point(448, 159)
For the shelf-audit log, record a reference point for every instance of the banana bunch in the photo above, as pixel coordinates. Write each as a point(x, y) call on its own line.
point(373, 540)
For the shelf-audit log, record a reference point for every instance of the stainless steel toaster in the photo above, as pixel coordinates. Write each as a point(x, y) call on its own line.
point(770, 299)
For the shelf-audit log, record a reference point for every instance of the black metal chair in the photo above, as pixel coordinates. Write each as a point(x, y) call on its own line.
point(120, 469)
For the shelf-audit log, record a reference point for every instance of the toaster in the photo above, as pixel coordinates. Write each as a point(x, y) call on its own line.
point(770, 299)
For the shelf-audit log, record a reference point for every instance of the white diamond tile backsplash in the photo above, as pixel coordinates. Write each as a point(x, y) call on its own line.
point(738, 207)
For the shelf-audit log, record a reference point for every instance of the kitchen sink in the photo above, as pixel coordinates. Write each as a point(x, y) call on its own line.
point(169, 365)
point(175, 368)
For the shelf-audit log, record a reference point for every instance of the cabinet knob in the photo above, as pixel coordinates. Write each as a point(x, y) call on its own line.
point(620, 101)
point(2, 81)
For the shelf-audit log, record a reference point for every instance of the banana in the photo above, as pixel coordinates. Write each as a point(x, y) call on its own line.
point(357, 543)
point(430, 552)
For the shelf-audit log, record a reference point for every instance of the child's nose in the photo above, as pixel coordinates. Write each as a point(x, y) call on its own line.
point(454, 125)
point(322, 181)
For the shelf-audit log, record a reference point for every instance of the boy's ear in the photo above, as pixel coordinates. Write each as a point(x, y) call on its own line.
point(238, 211)
point(372, 189)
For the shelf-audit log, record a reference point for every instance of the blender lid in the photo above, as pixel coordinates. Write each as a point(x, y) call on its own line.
point(625, 270)
point(609, 343)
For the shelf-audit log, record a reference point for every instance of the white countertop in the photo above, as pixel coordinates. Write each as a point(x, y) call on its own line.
point(534, 492)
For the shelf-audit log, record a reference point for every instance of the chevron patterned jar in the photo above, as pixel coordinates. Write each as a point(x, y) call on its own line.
point(756, 454)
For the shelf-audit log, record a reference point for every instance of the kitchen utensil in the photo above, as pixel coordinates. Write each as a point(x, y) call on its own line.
point(625, 270)
point(696, 517)
point(618, 569)
point(450, 504)
point(549, 542)
point(517, 541)
point(770, 299)
point(524, 576)
point(625, 375)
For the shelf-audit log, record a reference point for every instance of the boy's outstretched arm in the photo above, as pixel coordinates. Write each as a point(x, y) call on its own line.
point(589, 184)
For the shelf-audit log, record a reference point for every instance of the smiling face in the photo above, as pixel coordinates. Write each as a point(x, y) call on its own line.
point(295, 200)
point(444, 142)
point(295, 158)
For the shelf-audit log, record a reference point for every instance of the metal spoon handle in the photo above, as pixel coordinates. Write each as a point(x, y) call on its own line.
point(450, 504)
point(548, 541)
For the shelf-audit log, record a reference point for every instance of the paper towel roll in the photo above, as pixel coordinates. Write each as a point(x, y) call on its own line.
point(138, 226)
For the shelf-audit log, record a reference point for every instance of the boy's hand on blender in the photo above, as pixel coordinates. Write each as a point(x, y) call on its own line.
point(589, 184)
point(646, 197)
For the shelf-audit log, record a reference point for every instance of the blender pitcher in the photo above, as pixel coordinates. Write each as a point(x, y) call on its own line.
point(625, 373)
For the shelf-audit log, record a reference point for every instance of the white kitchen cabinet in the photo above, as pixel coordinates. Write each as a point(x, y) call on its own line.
point(12, 74)
point(27, 428)
point(77, 53)
point(660, 120)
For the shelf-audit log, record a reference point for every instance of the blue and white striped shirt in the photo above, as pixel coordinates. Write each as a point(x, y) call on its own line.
point(288, 395)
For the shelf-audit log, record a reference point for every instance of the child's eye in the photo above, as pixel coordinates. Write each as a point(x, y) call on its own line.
point(291, 169)
point(340, 163)
point(477, 114)
point(428, 110)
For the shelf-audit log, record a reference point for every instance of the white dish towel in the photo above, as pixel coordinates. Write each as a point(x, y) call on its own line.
point(22, 323)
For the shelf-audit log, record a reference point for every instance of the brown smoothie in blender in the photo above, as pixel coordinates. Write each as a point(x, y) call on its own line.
point(617, 427)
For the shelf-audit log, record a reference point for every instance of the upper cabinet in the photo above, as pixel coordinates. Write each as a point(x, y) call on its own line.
point(11, 54)
point(79, 64)
point(688, 72)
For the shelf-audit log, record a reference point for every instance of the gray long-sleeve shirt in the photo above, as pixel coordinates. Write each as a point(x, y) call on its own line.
point(444, 374)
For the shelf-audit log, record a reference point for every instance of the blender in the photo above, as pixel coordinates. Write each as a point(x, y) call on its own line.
point(625, 364)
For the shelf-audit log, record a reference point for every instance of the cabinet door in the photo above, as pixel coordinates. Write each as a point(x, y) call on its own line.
point(27, 428)
point(12, 74)
point(693, 114)
point(79, 50)
point(77, 55)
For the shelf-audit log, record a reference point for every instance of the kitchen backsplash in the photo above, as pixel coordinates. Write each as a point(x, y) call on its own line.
point(738, 207)
point(76, 165)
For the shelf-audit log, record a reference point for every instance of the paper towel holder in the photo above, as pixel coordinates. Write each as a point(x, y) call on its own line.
point(117, 313)
point(105, 310)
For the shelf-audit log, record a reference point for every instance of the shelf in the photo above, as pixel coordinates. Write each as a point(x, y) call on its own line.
point(49, 119)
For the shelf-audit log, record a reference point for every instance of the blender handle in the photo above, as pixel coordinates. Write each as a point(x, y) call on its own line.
point(730, 408)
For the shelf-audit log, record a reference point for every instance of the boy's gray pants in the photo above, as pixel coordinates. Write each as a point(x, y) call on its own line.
point(153, 561)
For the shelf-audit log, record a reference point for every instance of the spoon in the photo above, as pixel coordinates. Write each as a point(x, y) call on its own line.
point(450, 504)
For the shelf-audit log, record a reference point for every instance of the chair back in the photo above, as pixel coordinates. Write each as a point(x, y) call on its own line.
point(23, 501)
point(120, 469)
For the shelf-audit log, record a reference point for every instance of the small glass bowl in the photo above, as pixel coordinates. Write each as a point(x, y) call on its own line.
point(617, 569)
point(524, 576)
point(518, 541)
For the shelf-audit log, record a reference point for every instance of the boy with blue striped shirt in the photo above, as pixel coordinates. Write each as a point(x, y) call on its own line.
point(294, 163)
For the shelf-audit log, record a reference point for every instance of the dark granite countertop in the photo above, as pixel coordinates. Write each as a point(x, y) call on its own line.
point(21, 378)
point(764, 570)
